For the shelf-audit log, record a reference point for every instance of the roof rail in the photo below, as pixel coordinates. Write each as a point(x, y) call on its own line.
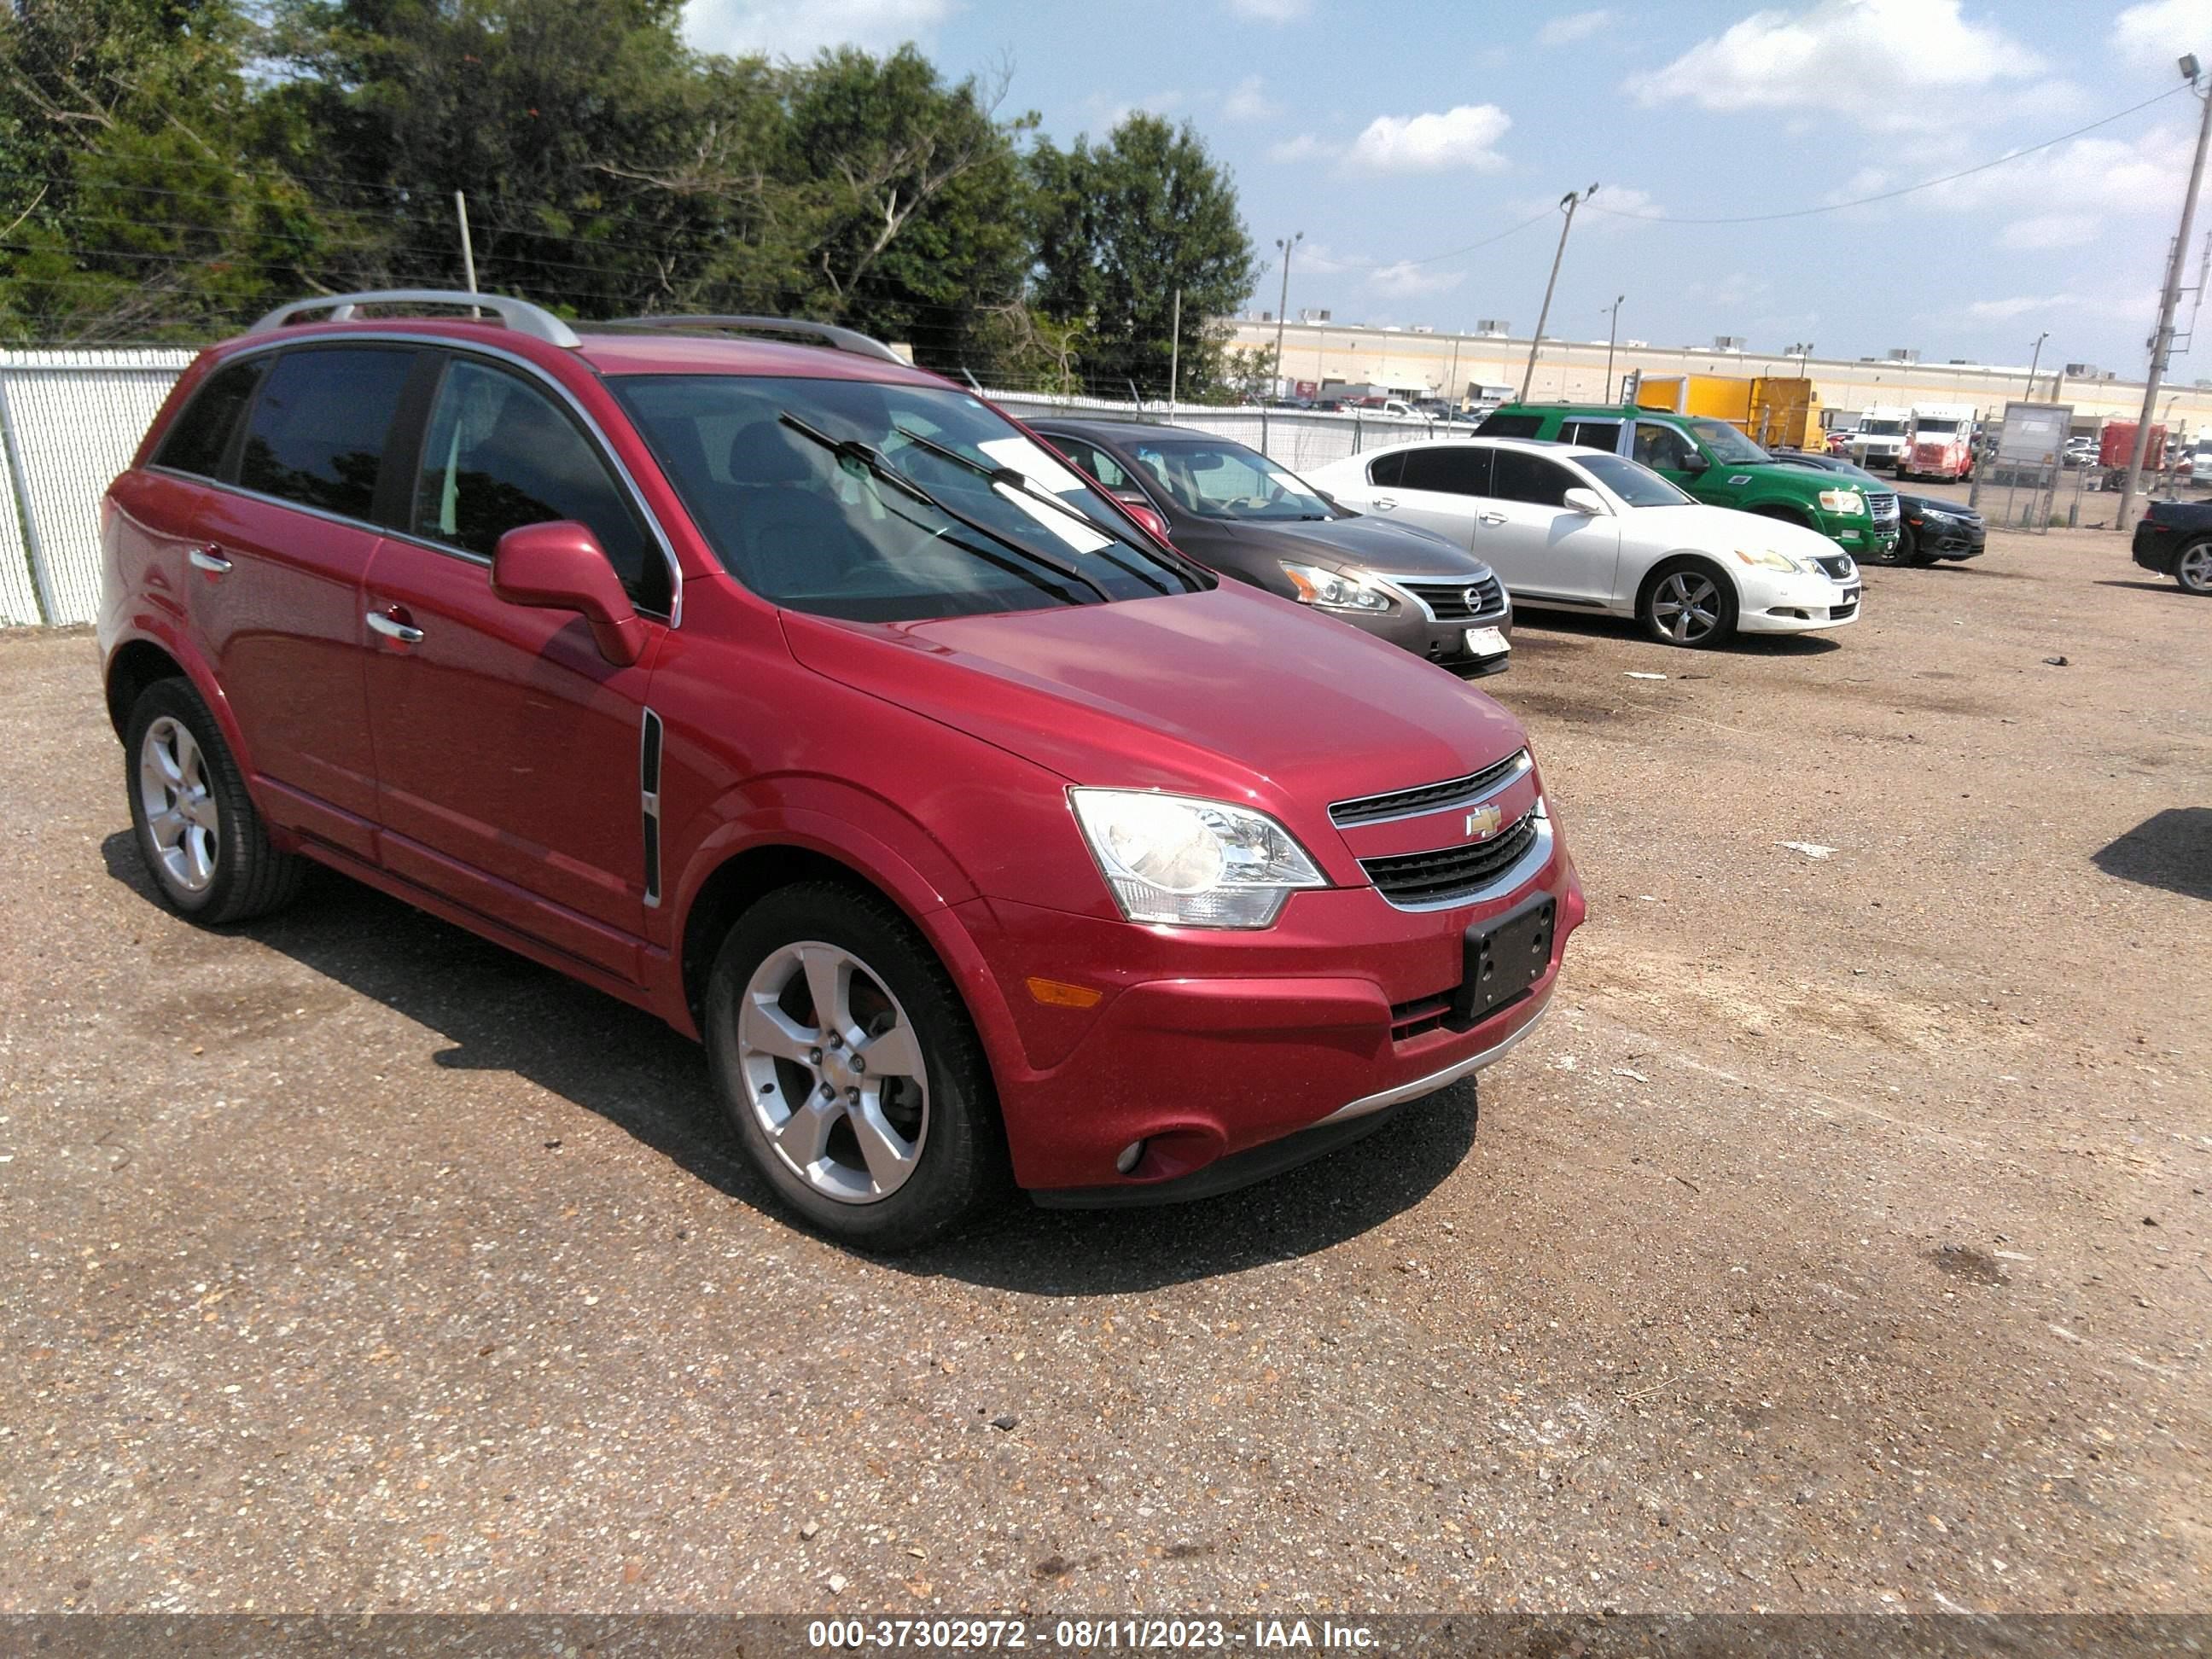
point(827, 334)
point(519, 315)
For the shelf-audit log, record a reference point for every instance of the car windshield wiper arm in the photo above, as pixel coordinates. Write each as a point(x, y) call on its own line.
point(1014, 478)
point(878, 467)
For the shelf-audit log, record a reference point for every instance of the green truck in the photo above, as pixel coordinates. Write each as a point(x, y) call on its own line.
point(1717, 463)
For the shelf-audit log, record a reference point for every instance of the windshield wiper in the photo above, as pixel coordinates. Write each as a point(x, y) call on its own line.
point(1014, 478)
point(878, 467)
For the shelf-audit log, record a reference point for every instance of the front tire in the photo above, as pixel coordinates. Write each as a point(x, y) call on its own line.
point(1688, 603)
point(849, 1068)
point(198, 833)
point(2193, 568)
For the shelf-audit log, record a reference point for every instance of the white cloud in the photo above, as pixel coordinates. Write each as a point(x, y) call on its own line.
point(2004, 311)
point(1459, 138)
point(787, 31)
point(1248, 102)
point(1106, 113)
point(1319, 259)
point(1405, 279)
point(2049, 230)
point(1891, 65)
point(1575, 26)
point(1304, 148)
point(1270, 11)
point(2156, 33)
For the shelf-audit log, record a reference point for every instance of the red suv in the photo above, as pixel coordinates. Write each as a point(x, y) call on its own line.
point(802, 698)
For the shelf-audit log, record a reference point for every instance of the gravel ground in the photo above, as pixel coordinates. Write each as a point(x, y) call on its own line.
point(1840, 1243)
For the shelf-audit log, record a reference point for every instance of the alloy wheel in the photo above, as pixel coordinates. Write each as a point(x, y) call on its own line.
point(834, 1072)
point(2194, 570)
point(180, 809)
point(1686, 606)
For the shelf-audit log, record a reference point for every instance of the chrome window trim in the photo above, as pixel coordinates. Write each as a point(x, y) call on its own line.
point(1539, 854)
point(1522, 764)
point(288, 341)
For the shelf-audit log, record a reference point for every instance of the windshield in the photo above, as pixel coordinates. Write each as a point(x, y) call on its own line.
point(1216, 479)
point(778, 475)
point(1881, 428)
point(1936, 426)
point(1728, 446)
point(1636, 484)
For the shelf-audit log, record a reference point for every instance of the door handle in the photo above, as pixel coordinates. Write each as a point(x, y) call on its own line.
point(394, 627)
point(1489, 518)
point(1385, 502)
point(209, 559)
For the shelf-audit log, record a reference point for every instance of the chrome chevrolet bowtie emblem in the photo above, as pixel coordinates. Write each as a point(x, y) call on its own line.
point(1482, 822)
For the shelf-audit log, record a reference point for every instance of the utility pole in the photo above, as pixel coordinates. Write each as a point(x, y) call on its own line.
point(1570, 201)
point(1283, 305)
point(2162, 342)
point(468, 251)
point(1175, 352)
point(1612, 334)
point(1452, 379)
point(2029, 395)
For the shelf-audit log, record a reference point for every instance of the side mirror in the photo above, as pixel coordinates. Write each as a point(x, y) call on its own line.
point(1328, 498)
point(560, 566)
point(1694, 462)
point(1588, 502)
point(1146, 514)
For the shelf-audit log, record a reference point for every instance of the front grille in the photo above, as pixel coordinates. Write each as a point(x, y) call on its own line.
point(1882, 505)
point(1839, 612)
point(1458, 601)
point(1451, 873)
point(1428, 797)
point(1419, 1017)
point(1839, 567)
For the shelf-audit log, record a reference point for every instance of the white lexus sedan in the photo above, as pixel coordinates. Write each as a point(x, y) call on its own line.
point(1579, 529)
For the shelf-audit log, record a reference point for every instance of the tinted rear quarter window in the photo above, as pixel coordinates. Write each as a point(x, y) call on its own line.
point(317, 430)
point(200, 438)
point(1502, 425)
point(1454, 470)
point(1598, 434)
point(1388, 469)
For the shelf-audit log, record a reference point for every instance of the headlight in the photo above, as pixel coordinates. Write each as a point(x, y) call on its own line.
point(1191, 863)
point(1848, 502)
point(1768, 559)
point(1333, 591)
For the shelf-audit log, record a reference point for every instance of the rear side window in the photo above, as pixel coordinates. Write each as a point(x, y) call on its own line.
point(1502, 425)
point(1454, 469)
point(498, 454)
point(1388, 470)
point(200, 438)
point(317, 433)
point(1520, 476)
point(1598, 434)
point(1095, 461)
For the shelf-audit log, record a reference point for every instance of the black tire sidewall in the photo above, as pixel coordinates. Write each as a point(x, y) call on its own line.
point(1647, 601)
point(174, 699)
point(962, 1155)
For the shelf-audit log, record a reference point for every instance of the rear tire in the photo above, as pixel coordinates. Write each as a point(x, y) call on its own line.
point(1687, 602)
point(2192, 568)
point(896, 1152)
point(201, 837)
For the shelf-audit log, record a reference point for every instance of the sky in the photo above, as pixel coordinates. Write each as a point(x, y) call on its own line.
point(1422, 147)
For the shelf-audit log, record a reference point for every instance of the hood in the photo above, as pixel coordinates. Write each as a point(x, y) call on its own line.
point(1805, 480)
point(1362, 539)
point(1232, 693)
point(1936, 504)
point(1721, 530)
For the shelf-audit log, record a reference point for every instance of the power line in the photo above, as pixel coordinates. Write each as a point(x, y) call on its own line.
point(1892, 195)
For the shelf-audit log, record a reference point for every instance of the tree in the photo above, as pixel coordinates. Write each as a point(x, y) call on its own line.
point(1249, 373)
point(1120, 228)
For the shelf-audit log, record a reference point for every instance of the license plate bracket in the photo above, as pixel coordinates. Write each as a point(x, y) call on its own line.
point(1505, 956)
point(1487, 642)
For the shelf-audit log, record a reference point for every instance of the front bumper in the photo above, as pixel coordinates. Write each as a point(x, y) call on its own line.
point(1444, 643)
point(1208, 1045)
point(1952, 540)
point(1857, 535)
point(1796, 605)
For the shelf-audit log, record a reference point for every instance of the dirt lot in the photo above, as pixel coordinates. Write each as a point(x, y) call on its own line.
point(1839, 1244)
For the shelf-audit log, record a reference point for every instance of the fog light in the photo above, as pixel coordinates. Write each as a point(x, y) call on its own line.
point(1130, 1154)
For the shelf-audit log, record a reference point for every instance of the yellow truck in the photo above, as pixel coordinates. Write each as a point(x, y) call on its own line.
point(1772, 410)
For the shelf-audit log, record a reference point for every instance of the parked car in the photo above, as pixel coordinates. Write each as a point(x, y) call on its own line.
point(1236, 511)
point(1931, 529)
point(1583, 528)
point(754, 682)
point(1712, 461)
point(2174, 539)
